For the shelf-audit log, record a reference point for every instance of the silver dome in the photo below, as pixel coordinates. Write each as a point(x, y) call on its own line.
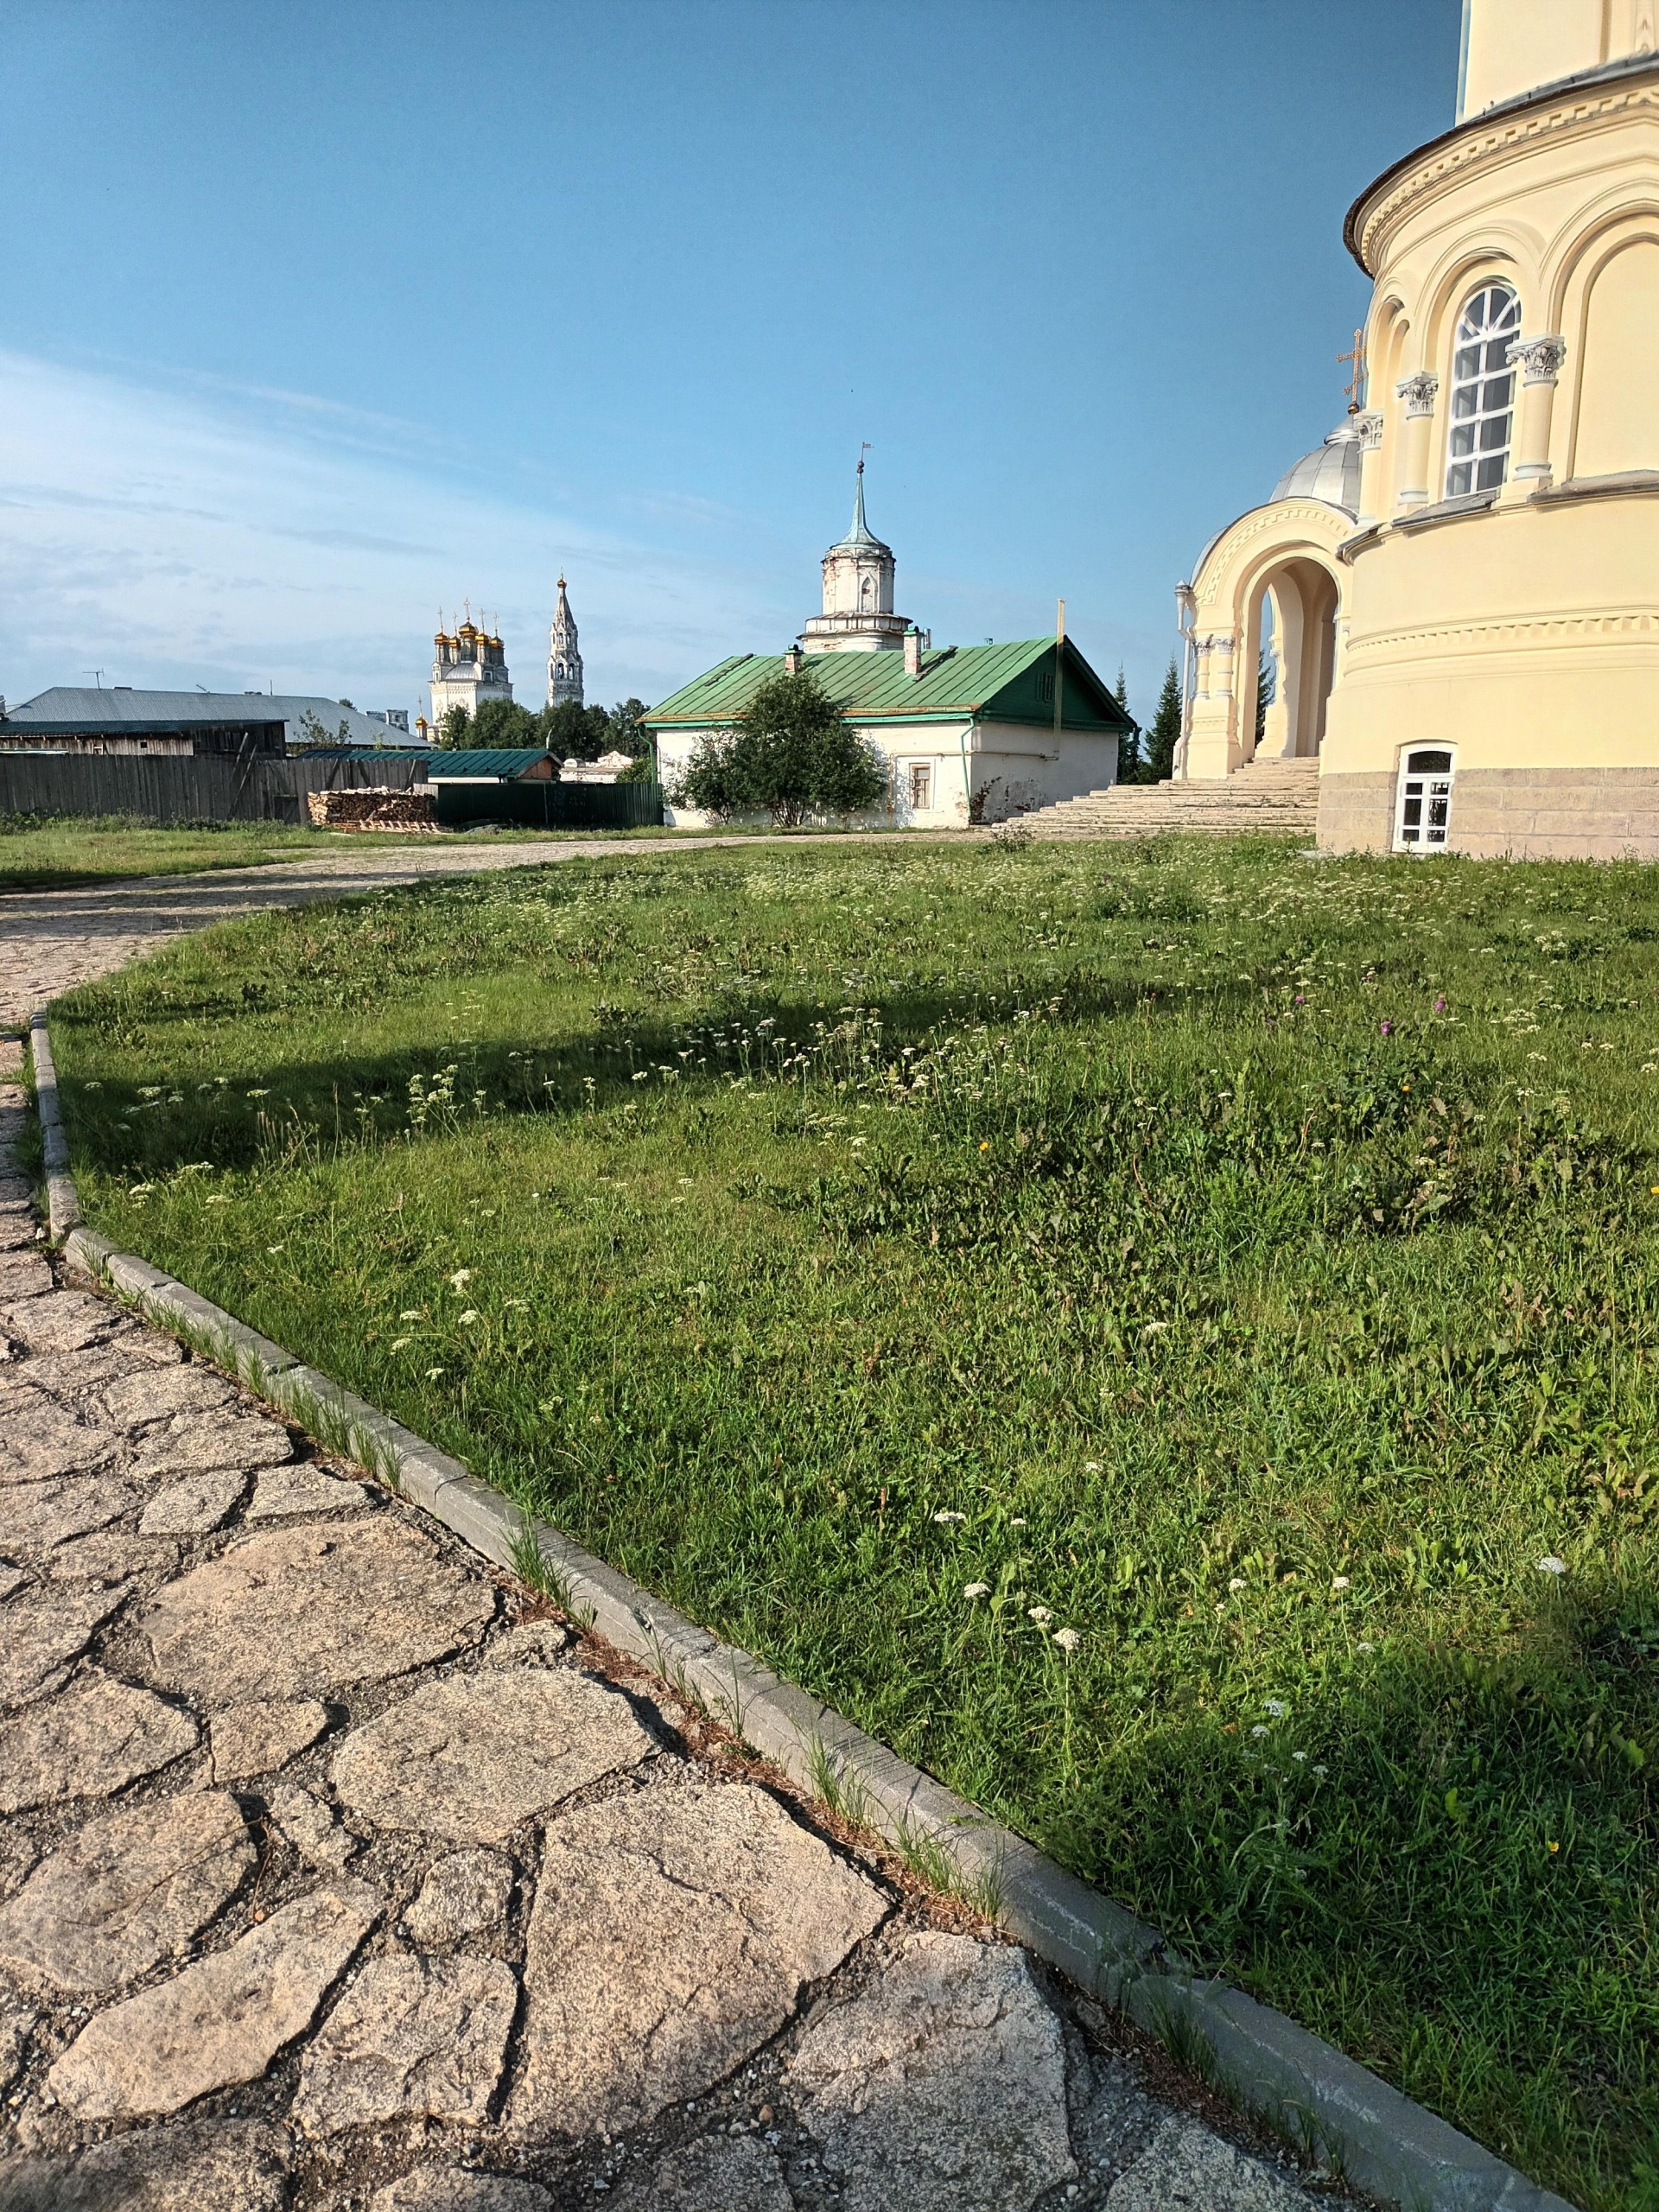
point(1330, 473)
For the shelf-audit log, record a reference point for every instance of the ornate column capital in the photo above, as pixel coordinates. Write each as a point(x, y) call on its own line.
point(1539, 360)
point(1369, 426)
point(1419, 392)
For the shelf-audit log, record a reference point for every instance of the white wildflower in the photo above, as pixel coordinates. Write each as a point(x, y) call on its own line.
point(1299, 1755)
point(1258, 1730)
point(1041, 1614)
point(1340, 1582)
point(1550, 1565)
point(467, 1319)
point(1274, 1707)
point(402, 1344)
point(1091, 1466)
point(432, 1373)
point(1016, 1524)
point(1365, 1647)
point(947, 1519)
point(1320, 1771)
point(461, 1278)
point(976, 1590)
point(1067, 1638)
point(412, 1313)
point(1235, 1582)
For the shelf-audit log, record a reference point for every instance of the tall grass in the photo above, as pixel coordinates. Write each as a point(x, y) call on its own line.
point(1163, 1335)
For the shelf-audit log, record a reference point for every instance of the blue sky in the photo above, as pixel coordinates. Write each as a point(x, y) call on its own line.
point(315, 317)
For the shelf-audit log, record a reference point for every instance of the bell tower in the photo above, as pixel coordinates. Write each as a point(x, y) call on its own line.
point(858, 572)
point(1511, 48)
point(564, 659)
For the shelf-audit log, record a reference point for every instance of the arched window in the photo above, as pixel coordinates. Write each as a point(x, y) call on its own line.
point(1483, 392)
point(1423, 811)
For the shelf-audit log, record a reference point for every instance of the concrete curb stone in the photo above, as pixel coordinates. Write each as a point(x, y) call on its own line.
point(1296, 2082)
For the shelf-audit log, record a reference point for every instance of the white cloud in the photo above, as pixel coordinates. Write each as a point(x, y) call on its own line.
point(235, 537)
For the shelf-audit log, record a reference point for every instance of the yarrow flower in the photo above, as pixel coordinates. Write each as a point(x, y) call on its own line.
point(1364, 1647)
point(1275, 1707)
point(1550, 1565)
point(1041, 1614)
point(1340, 1582)
point(1258, 1730)
point(945, 1519)
point(976, 1590)
point(1067, 1638)
point(461, 1278)
point(469, 1316)
point(1235, 1582)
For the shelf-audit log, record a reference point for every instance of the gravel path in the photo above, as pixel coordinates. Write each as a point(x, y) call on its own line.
point(333, 1876)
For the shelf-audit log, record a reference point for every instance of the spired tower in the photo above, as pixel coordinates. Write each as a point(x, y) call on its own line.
point(563, 660)
point(858, 616)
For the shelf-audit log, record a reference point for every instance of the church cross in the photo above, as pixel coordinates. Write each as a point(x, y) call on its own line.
point(1355, 387)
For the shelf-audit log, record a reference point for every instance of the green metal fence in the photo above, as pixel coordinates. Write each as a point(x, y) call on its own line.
point(550, 805)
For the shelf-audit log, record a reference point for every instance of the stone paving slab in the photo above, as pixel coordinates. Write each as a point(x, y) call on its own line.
point(335, 1877)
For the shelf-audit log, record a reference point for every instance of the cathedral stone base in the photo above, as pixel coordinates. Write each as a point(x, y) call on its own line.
point(1564, 814)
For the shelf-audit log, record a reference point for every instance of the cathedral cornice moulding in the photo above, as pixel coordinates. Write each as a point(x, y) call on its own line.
point(1446, 160)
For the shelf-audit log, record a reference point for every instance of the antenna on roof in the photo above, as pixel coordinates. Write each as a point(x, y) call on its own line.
point(97, 672)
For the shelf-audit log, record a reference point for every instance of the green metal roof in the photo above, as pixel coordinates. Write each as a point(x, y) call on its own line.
point(505, 763)
point(992, 683)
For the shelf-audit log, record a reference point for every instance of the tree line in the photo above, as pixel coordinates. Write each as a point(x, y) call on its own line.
point(574, 733)
point(1147, 756)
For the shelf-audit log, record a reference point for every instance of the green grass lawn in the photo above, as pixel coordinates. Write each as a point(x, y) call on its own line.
point(1124, 1323)
point(44, 853)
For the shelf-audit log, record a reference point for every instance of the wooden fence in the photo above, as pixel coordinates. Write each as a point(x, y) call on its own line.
point(163, 788)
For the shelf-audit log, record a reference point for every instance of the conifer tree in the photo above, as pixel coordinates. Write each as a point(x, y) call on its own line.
point(1129, 740)
point(1166, 730)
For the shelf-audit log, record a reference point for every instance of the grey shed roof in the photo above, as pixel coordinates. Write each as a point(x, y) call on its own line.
point(79, 706)
point(1330, 473)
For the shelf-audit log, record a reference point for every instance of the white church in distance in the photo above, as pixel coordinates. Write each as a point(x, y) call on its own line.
point(969, 733)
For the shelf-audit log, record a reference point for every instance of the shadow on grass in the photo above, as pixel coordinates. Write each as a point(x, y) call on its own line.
point(381, 1097)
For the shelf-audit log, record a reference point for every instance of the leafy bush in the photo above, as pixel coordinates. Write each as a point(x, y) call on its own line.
point(792, 754)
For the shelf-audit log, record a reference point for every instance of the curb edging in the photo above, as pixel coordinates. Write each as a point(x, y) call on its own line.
point(1302, 2086)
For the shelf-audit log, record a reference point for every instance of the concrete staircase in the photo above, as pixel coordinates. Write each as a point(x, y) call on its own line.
point(1279, 797)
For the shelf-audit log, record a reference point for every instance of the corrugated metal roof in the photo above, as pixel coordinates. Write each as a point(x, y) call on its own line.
point(505, 763)
point(955, 680)
point(77, 706)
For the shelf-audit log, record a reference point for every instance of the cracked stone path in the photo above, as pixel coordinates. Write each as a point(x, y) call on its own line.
point(51, 940)
point(333, 1876)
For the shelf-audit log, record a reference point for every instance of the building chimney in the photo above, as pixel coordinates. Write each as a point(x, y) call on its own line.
point(912, 651)
point(792, 661)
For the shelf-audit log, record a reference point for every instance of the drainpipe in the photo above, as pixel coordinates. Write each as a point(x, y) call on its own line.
point(967, 788)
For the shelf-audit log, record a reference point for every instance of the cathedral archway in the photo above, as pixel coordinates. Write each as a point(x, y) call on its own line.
point(1292, 621)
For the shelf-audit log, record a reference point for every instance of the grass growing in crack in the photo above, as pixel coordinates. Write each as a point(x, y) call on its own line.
point(1164, 1335)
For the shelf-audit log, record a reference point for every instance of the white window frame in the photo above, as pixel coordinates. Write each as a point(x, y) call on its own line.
point(1417, 792)
point(1480, 411)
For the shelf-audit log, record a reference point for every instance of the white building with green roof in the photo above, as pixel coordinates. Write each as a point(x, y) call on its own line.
point(970, 733)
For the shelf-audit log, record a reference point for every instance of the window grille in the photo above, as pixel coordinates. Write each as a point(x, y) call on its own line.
point(1424, 809)
point(921, 787)
point(1483, 392)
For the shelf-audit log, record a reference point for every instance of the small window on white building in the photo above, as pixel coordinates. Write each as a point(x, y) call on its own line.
point(1483, 392)
point(1424, 811)
point(921, 786)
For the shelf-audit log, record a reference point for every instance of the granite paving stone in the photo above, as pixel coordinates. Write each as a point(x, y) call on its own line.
point(147, 1395)
point(68, 1320)
point(45, 1633)
point(220, 2021)
point(35, 1517)
point(110, 1556)
point(1189, 2166)
point(199, 1443)
point(41, 1442)
point(454, 2189)
point(207, 2166)
point(193, 1505)
point(291, 1612)
point(941, 2085)
point(311, 1827)
point(410, 2037)
point(132, 1887)
point(467, 1760)
point(90, 1741)
point(466, 1892)
point(286, 1492)
point(23, 1274)
point(258, 1739)
point(672, 1932)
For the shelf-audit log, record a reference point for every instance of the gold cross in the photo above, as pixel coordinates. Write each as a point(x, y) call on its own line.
point(1355, 386)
